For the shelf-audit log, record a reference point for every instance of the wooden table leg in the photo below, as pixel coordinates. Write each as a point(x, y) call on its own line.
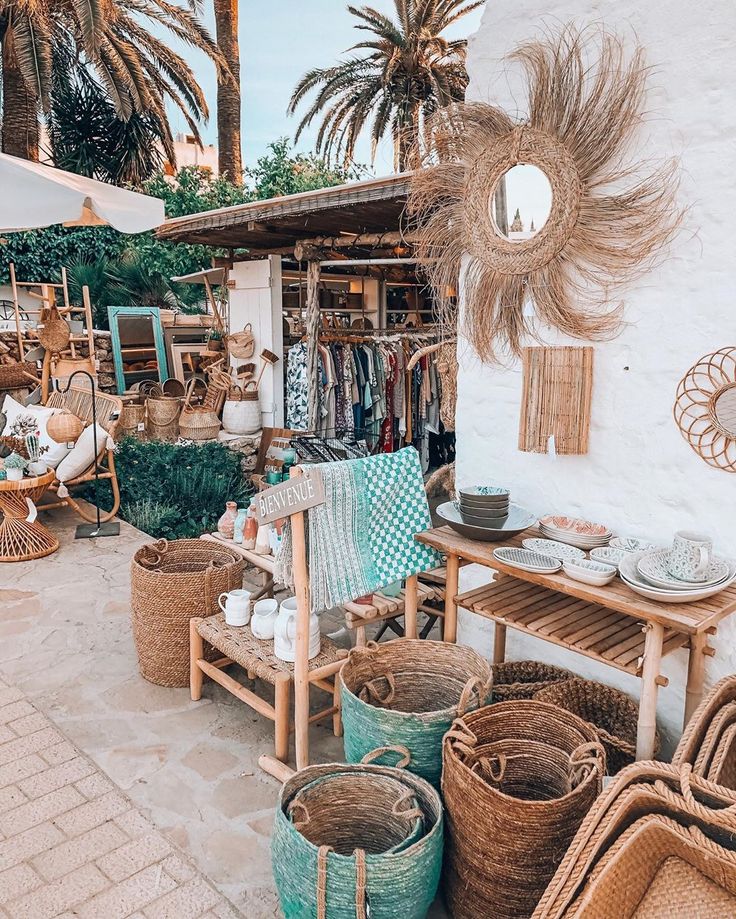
point(196, 653)
point(499, 643)
point(301, 664)
point(451, 589)
point(410, 607)
point(647, 724)
point(695, 675)
point(282, 689)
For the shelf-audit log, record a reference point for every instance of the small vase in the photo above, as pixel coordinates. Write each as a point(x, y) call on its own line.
point(226, 523)
point(14, 475)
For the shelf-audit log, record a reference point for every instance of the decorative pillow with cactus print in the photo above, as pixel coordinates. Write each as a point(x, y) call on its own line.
point(21, 420)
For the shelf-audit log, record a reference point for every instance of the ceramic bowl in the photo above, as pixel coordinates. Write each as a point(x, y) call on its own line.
point(631, 577)
point(631, 544)
point(484, 493)
point(608, 555)
point(590, 572)
point(492, 530)
point(481, 514)
point(500, 502)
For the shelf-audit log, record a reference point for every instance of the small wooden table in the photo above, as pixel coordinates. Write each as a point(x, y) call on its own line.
point(611, 625)
point(22, 539)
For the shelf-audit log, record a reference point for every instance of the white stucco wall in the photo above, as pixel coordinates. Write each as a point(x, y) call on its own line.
point(640, 476)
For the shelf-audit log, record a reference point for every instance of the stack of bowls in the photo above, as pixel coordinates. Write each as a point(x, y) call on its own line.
point(575, 532)
point(481, 503)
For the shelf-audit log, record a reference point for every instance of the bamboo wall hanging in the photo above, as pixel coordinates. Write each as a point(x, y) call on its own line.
point(705, 408)
point(556, 399)
point(609, 220)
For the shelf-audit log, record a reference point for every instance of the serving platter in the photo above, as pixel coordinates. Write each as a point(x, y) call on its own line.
point(527, 560)
point(518, 520)
point(652, 566)
point(552, 548)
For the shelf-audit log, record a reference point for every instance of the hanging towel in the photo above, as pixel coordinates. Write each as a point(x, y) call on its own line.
point(362, 538)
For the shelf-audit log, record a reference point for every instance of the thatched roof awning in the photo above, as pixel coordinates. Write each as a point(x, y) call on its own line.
point(372, 206)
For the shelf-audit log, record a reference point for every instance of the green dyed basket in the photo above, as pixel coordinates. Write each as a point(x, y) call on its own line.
point(408, 692)
point(314, 882)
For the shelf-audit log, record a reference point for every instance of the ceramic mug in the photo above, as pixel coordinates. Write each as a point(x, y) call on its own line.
point(690, 556)
point(263, 618)
point(236, 607)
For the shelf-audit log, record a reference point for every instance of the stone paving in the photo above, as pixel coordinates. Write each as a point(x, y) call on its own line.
point(72, 845)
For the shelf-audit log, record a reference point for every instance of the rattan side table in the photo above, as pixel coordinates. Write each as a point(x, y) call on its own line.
point(21, 539)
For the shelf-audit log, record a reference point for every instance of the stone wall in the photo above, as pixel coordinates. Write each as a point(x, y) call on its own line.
point(639, 476)
point(103, 354)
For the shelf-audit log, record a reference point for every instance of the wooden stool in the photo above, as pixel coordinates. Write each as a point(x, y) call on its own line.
point(386, 609)
point(238, 646)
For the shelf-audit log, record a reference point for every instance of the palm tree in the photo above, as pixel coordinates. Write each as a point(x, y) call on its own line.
point(118, 41)
point(409, 71)
point(230, 161)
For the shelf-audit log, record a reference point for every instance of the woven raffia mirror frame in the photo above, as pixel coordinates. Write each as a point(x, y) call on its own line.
point(610, 218)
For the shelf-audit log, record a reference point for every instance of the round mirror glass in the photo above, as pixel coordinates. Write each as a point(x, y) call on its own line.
point(724, 408)
point(521, 202)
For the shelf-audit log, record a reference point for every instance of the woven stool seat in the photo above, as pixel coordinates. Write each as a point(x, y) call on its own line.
point(255, 654)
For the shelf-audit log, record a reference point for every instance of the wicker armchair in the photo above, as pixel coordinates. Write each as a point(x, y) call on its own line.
point(79, 402)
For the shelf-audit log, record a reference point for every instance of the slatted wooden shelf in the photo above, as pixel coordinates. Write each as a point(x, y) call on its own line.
point(602, 634)
point(384, 607)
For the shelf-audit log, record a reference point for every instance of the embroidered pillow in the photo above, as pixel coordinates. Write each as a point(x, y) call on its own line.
point(27, 419)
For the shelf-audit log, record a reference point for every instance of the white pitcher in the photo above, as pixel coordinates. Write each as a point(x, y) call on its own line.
point(236, 607)
point(284, 633)
point(263, 618)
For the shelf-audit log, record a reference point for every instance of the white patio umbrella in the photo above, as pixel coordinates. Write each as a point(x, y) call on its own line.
point(33, 196)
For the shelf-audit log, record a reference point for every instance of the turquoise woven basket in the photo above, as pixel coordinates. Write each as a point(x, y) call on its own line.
point(408, 692)
point(316, 883)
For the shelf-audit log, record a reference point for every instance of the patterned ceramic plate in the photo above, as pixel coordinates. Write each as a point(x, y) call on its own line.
point(570, 538)
point(575, 525)
point(553, 548)
point(631, 544)
point(630, 576)
point(653, 567)
point(608, 555)
point(528, 560)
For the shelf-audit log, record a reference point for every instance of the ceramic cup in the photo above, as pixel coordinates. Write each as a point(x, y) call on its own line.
point(263, 618)
point(236, 607)
point(690, 556)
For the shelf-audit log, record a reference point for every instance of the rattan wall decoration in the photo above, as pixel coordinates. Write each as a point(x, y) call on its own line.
point(556, 399)
point(705, 408)
point(610, 218)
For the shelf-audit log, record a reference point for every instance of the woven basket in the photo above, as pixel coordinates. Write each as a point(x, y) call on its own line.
point(611, 712)
point(197, 422)
point(162, 417)
point(173, 387)
point(170, 583)
point(64, 427)
point(518, 779)
point(132, 415)
point(408, 692)
point(315, 882)
point(693, 739)
point(54, 334)
point(13, 376)
point(523, 679)
point(242, 345)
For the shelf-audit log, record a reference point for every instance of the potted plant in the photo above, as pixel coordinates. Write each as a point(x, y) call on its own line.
point(214, 342)
point(36, 466)
point(14, 466)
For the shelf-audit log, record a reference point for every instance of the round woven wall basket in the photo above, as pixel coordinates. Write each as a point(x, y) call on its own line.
point(171, 582)
point(314, 879)
point(408, 692)
point(523, 679)
point(520, 776)
point(611, 712)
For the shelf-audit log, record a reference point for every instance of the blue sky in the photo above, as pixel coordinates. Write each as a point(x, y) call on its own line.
point(279, 41)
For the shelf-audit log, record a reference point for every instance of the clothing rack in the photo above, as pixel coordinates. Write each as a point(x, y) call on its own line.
point(373, 335)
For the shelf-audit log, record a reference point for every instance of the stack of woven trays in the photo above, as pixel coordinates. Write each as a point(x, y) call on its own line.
point(660, 843)
point(357, 841)
point(518, 779)
point(709, 742)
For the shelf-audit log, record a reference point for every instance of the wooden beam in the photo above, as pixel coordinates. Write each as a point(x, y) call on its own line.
point(312, 327)
point(303, 249)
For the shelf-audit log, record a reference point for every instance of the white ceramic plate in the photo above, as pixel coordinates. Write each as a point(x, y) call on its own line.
point(631, 577)
point(652, 566)
point(590, 572)
point(572, 539)
point(631, 544)
point(553, 548)
point(528, 560)
point(608, 555)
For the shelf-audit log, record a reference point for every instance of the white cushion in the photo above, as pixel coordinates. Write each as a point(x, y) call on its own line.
point(83, 454)
point(27, 419)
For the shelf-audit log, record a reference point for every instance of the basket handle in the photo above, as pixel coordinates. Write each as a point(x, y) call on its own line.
point(586, 759)
point(358, 652)
point(322, 854)
point(474, 685)
point(369, 691)
point(414, 812)
point(404, 754)
point(154, 553)
point(189, 392)
point(493, 766)
point(251, 383)
point(298, 824)
point(461, 736)
point(686, 773)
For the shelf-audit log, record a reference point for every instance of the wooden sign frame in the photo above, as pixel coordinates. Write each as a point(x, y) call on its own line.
point(296, 495)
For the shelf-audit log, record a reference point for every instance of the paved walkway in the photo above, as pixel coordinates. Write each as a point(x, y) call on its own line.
point(72, 845)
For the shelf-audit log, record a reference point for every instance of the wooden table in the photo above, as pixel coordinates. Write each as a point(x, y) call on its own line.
point(611, 625)
point(22, 539)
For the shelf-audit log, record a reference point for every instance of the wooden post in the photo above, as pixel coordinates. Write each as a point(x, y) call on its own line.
point(647, 724)
point(196, 653)
point(301, 664)
point(695, 675)
point(282, 689)
point(499, 643)
point(451, 589)
point(410, 607)
point(313, 325)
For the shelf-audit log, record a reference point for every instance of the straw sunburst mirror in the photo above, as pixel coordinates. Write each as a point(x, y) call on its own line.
point(608, 218)
point(705, 408)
